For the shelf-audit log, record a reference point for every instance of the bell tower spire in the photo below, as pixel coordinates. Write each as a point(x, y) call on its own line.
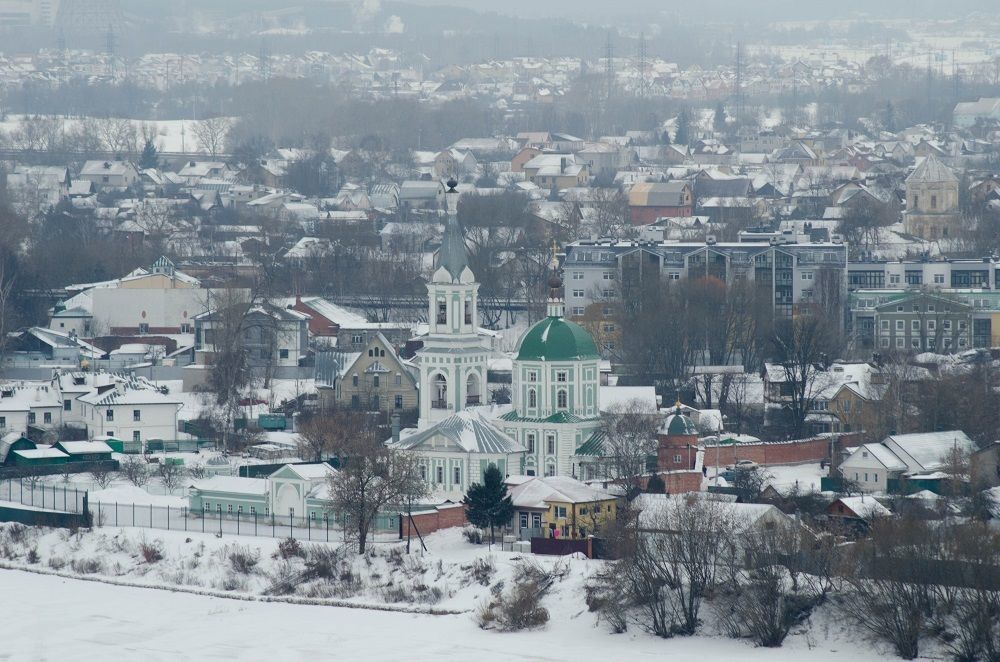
point(557, 305)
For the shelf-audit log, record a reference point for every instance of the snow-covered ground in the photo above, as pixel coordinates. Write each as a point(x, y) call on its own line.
point(785, 478)
point(98, 621)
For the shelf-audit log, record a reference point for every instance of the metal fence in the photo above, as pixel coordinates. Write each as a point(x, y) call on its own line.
point(70, 499)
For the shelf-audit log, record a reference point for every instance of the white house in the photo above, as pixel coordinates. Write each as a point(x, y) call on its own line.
point(130, 411)
point(272, 336)
point(110, 174)
point(871, 466)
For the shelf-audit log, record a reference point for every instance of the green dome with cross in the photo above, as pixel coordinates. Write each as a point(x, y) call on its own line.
point(556, 339)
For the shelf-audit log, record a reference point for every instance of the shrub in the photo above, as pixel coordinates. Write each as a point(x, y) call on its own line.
point(233, 582)
point(289, 548)
point(150, 552)
point(481, 570)
point(242, 560)
point(16, 533)
point(605, 596)
point(322, 562)
point(86, 566)
point(519, 609)
point(284, 579)
point(57, 563)
point(473, 534)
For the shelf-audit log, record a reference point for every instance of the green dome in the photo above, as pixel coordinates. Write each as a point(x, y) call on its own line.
point(679, 425)
point(555, 339)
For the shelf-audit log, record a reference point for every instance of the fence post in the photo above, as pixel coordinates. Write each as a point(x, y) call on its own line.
point(33, 495)
point(76, 500)
point(326, 516)
point(133, 513)
point(238, 522)
point(309, 533)
point(116, 513)
point(185, 518)
point(273, 520)
point(32, 483)
point(151, 516)
point(204, 516)
point(168, 518)
point(255, 522)
point(219, 510)
point(291, 532)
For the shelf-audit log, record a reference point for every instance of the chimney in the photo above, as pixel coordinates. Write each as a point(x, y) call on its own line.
point(562, 164)
point(395, 428)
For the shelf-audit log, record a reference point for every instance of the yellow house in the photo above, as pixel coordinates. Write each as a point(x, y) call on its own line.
point(558, 506)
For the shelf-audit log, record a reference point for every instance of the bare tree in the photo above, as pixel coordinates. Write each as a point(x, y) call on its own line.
point(804, 347)
point(102, 475)
point(118, 135)
point(211, 134)
point(171, 474)
point(317, 437)
point(135, 469)
point(629, 431)
point(372, 477)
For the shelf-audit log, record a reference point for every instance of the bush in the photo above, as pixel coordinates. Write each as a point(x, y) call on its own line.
point(86, 566)
point(289, 548)
point(514, 611)
point(16, 533)
point(473, 534)
point(150, 552)
point(481, 570)
point(32, 557)
point(57, 563)
point(605, 596)
point(242, 560)
point(284, 580)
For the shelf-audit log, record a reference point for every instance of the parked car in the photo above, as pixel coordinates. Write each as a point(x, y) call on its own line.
point(743, 464)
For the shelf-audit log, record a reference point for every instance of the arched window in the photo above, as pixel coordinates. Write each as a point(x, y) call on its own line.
point(472, 391)
point(439, 392)
point(561, 400)
point(550, 470)
point(532, 399)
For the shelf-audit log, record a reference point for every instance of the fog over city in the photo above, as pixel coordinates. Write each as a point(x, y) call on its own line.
point(445, 329)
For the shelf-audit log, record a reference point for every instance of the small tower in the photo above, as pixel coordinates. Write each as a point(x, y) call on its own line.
point(556, 306)
point(678, 442)
point(454, 356)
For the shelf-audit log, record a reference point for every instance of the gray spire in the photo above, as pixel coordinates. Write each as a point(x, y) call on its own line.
point(453, 256)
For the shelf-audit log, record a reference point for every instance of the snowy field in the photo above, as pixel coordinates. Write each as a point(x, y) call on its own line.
point(99, 621)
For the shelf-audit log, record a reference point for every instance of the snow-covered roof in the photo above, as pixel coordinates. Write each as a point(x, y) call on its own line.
point(928, 450)
point(620, 395)
point(540, 491)
point(468, 431)
point(232, 484)
point(865, 506)
point(128, 394)
point(316, 471)
point(80, 447)
point(40, 453)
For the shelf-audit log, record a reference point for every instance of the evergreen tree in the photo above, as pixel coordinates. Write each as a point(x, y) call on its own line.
point(655, 485)
point(148, 157)
point(890, 117)
point(665, 139)
point(719, 122)
point(488, 503)
point(683, 135)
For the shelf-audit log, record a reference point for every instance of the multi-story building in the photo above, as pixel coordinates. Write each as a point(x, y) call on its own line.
point(948, 319)
point(924, 274)
point(931, 200)
point(596, 272)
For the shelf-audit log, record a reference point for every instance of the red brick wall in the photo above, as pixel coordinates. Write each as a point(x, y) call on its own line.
point(776, 452)
point(430, 521)
point(669, 446)
point(676, 482)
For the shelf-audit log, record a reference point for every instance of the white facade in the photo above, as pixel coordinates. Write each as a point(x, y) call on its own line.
point(129, 414)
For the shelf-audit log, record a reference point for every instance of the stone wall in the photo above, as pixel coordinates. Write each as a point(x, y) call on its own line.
point(797, 451)
point(441, 517)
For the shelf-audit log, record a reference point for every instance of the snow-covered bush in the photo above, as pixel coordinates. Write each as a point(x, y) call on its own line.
point(243, 560)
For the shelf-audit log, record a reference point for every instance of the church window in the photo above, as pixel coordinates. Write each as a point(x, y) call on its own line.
point(532, 399)
point(531, 442)
point(442, 314)
point(457, 476)
point(550, 470)
point(532, 376)
point(561, 399)
point(550, 443)
point(468, 312)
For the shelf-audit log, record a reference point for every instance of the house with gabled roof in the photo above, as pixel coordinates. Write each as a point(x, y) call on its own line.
point(872, 466)
point(378, 380)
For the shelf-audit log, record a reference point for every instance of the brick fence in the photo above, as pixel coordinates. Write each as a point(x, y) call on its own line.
point(676, 482)
point(797, 451)
point(429, 521)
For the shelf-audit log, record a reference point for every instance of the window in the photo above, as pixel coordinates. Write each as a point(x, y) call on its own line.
point(282, 353)
point(933, 202)
point(946, 324)
point(884, 343)
point(47, 417)
point(109, 415)
point(136, 415)
point(523, 520)
point(606, 311)
point(442, 312)
point(398, 402)
point(143, 328)
point(399, 380)
point(560, 512)
point(440, 475)
point(532, 399)
point(354, 380)
point(900, 343)
point(915, 343)
point(229, 509)
point(561, 376)
point(468, 312)
point(355, 402)
point(136, 435)
point(807, 275)
point(357, 339)
point(550, 444)
point(900, 325)
point(577, 311)
point(577, 275)
point(456, 476)
point(609, 275)
point(561, 400)
point(31, 418)
point(532, 376)
point(938, 279)
point(677, 459)
point(577, 294)
point(894, 279)
point(531, 442)
point(67, 405)
point(931, 325)
point(914, 325)
point(899, 309)
point(673, 275)
point(608, 328)
point(885, 325)
point(375, 381)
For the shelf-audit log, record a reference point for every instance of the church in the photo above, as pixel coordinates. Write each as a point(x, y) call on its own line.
point(555, 395)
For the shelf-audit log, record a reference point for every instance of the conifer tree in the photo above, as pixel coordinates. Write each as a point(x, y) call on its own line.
point(488, 503)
